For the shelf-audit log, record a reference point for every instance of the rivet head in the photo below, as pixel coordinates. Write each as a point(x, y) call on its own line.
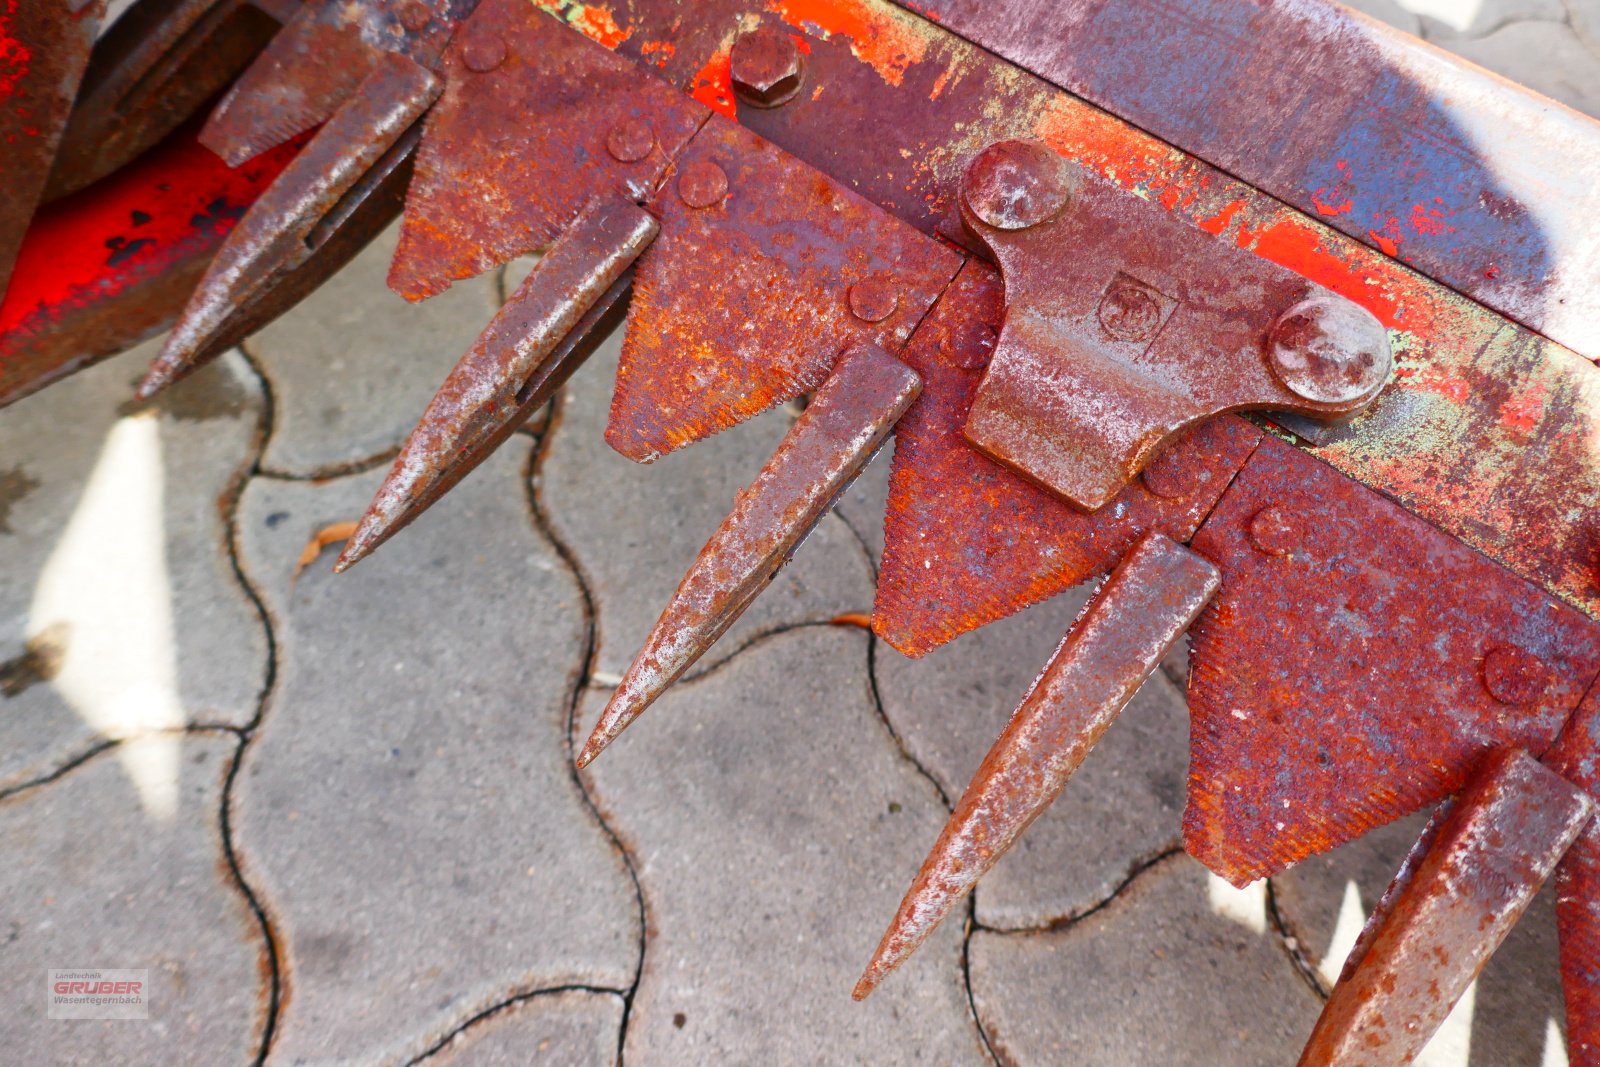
point(1274, 531)
point(1129, 312)
point(482, 52)
point(874, 298)
point(766, 67)
point(415, 16)
point(1171, 475)
point(702, 184)
point(630, 140)
point(1012, 185)
point(971, 345)
point(1330, 351)
point(1514, 676)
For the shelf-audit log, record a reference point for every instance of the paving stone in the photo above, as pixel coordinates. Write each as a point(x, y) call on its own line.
point(1516, 1002)
point(353, 367)
point(774, 826)
point(566, 1029)
point(407, 809)
point(1545, 56)
point(1392, 12)
point(1454, 19)
point(1120, 810)
point(1584, 17)
point(1173, 971)
point(635, 528)
point(92, 880)
point(116, 567)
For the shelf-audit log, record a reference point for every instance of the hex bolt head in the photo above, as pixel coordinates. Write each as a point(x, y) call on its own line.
point(874, 298)
point(483, 52)
point(415, 16)
point(1274, 531)
point(1513, 676)
point(630, 140)
point(1012, 185)
point(702, 184)
point(766, 67)
point(1330, 351)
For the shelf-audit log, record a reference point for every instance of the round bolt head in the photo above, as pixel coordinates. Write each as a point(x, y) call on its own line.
point(482, 52)
point(415, 16)
point(1129, 313)
point(1012, 185)
point(971, 345)
point(1513, 676)
point(1275, 532)
point(1169, 476)
point(1330, 351)
point(702, 184)
point(874, 297)
point(630, 140)
point(766, 67)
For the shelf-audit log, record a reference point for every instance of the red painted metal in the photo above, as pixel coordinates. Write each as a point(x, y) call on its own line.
point(1357, 664)
point(110, 266)
point(967, 542)
point(847, 420)
point(515, 360)
point(1478, 183)
point(551, 101)
point(44, 48)
point(1576, 757)
point(1132, 622)
point(1490, 856)
point(744, 301)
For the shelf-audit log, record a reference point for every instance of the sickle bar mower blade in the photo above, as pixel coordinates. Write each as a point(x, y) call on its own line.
point(1125, 630)
point(1356, 665)
point(148, 74)
point(1576, 756)
point(845, 423)
point(311, 69)
point(367, 137)
point(515, 359)
point(764, 271)
point(535, 122)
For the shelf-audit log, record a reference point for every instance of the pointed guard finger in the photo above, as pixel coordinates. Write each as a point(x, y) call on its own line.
point(847, 420)
point(300, 208)
point(495, 384)
point(1131, 623)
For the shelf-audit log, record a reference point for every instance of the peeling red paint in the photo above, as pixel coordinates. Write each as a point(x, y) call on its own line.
point(880, 38)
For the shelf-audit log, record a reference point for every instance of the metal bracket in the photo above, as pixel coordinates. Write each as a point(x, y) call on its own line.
point(1124, 325)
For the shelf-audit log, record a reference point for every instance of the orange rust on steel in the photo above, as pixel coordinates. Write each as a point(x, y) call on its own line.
point(371, 135)
point(1576, 757)
point(845, 423)
point(1125, 326)
point(1357, 663)
point(489, 390)
point(745, 299)
point(157, 65)
point(966, 541)
point(318, 61)
point(1491, 856)
point(1484, 430)
point(1133, 621)
point(44, 48)
point(555, 103)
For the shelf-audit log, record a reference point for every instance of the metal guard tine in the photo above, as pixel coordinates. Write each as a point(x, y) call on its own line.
point(273, 237)
point(1134, 619)
point(845, 423)
point(491, 389)
point(1489, 858)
